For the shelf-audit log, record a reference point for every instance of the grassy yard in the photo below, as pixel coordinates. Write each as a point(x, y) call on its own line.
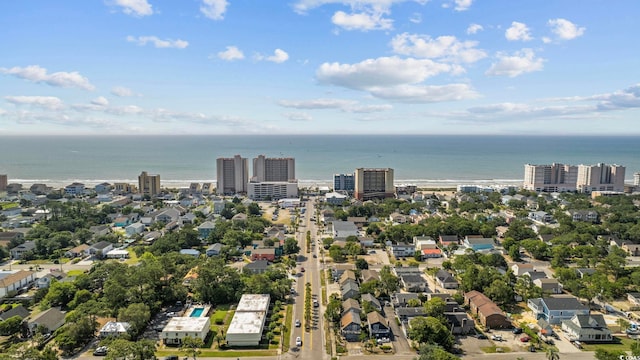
point(288, 324)
point(221, 353)
point(218, 316)
point(494, 349)
point(75, 272)
point(133, 258)
point(621, 343)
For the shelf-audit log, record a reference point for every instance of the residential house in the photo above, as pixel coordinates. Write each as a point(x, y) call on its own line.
point(351, 305)
point(342, 229)
point(350, 290)
point(411, 282)
point(583, 215)
point(423, 242)
point(582, 272)
point(339, 269)
point(50, 320)
point(540, 216)
point(239, 217)
point(378, 325)
point(372, 300)
point(634, 298)
point(358, 221)
point(459, 323)
point(403, 299)
point(405, 314)
point(263, 254)
point(167, 215)
point(368, 275)
point(122, 221)
point(18, 251)
point(103, 188)
point(114, 329)
point(403, 250)
point(587, 328)
point(556, 309)
point(8, 236)
point(19, 311)
point(548, 286)
point(188, 218)
point(535, 275)
point(207, 188)
point(489, 314)
point(520, 268)
point(335, 198)
point(397, 218)
point(348, 275)
point(100, 230)
point(81, 250)
point(433, 253)
point(256, 267)
point(134, 229)
point(101, 249)
point(205, 229)
point(351, 326)
point(74, 189)
point(631, 248)
point(214, 249)
point(478, 243)
point(446, 280)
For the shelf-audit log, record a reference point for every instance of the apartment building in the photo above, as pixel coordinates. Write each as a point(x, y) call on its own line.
point(600, 177)
point(149, 184)
point(345, 182)
point(550, 178)
point(3, 182)
point(273, 169)
point(232, 175)
point(373, 183)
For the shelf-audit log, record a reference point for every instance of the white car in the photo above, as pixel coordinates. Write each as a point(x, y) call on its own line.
point(298, 323)
point(298, 341)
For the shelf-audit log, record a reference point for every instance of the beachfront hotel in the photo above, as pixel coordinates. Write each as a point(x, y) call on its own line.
point(582, 178)
point(273, 169)
point(550, 178)
point(600, 177)
point(344, 182)
point(373, 183)
point(232, 175)
point(149, 184)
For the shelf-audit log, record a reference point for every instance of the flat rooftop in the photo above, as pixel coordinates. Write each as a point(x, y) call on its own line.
point(253, 302)
point(187, 324)
point(246, 323)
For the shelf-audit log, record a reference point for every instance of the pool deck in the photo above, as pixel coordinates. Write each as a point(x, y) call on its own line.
point(205, 310)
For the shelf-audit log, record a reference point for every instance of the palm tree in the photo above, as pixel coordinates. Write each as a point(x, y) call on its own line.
point(552, 353)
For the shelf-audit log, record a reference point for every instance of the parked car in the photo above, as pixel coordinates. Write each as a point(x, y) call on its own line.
point(525, 338)
point(517, 330)
point(298, 323)
point(100, 351)
point(481, 336)
point(171, 357)
point(302, 269)
point(496, 337)
point(298, 341)
point(316, 303)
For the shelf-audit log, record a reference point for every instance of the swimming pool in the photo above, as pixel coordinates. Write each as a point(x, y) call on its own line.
point(196, 312)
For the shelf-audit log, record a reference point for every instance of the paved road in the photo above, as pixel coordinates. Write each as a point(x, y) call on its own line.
point(312, 341)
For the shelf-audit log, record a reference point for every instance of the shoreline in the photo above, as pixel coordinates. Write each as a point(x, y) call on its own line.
point(302, 183)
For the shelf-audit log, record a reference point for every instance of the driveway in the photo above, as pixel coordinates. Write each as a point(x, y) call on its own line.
point(399, 341)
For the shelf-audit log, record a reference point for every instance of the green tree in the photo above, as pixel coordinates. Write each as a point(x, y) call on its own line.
point(389, 282)
point(552, 353)
point(60, 294)
point(602, 354)
point(137, 315)
point(291, 246)
point(435, 352)
point(336, 253)
point(10, 326)
point(429, 330)
point(191, 346)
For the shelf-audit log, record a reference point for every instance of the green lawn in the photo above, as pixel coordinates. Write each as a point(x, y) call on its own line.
point(288, 323)
point(621, 343)
point(75, 272)
point(218, 316)
point(225, 353)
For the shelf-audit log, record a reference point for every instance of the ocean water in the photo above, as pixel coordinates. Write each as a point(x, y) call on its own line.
point(425, 160)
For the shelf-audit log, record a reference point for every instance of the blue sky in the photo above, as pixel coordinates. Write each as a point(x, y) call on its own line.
point(138, 67)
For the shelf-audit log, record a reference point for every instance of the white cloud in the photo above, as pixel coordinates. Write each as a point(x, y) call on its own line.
point(622, 99)
point(518, 31)
point(157, 42)
point(100, 101)
point(44, 102)
point(303, 6)
point(443, 47)
point(2, 112)
point(135, 7)
point(424, 93)
point(39, 74)
point(462, 5)
point(416, 18)
point(380, 72)
point(565, 29)
point(232, 53)
point(298, 116)
point(474, 28)
point(279, 56)
point(122, 91)
point(214, 9)
point(125, 110)
point(363, 21)
point(349, 106)
point(546, 39)
point(396, 79)
point(520, 62)
point(316, 104)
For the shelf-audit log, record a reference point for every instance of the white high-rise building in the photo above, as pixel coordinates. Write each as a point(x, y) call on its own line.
point(550, 178)
point(636, 179)
point(232, 175)
point(373, 183)
point(600, 177)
